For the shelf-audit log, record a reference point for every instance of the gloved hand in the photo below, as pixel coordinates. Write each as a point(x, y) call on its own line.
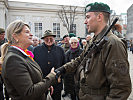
point(60, 71)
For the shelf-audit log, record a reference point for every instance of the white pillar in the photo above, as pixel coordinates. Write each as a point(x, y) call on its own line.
point(2, 15)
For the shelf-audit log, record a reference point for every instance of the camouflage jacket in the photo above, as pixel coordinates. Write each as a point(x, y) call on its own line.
point(108, 76)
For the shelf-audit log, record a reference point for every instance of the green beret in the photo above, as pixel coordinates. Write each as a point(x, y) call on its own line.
point(48, 33)
point(97, 7)
point(72, 35)
point(2, 30)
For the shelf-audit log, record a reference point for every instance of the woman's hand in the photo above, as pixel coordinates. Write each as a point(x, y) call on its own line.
point(51, 89)
point(59, 78)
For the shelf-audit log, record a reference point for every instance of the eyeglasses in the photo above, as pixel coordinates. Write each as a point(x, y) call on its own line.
point(49, 39)
point(74, 42)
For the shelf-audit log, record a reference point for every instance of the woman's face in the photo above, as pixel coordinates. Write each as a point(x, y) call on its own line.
point(25, 37)
point(74, 43)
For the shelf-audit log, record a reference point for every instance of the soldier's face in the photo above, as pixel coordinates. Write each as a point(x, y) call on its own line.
point(91, 22)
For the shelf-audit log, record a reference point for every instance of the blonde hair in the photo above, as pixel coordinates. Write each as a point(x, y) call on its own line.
point(14, 27)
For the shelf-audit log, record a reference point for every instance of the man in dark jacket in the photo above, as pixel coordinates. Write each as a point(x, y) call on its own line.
point(48, 55)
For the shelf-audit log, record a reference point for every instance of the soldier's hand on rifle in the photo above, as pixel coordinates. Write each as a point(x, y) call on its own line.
point(60, 71)
point(59, 77)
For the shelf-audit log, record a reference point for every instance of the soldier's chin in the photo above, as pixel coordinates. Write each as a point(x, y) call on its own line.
point(89, 32)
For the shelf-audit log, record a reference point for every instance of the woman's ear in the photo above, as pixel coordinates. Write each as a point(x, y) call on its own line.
point(15, 36)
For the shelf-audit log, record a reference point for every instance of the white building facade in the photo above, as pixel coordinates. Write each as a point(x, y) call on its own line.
point(40, 17)
point(130, 22)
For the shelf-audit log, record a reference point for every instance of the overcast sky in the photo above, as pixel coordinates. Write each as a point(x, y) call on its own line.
point(120, 6)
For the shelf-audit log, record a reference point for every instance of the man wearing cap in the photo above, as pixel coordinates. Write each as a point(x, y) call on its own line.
point(2, 37)
point(107, 72)
point(48, 55)
point(66, 44)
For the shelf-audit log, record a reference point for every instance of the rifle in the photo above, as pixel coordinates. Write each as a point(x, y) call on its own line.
point(92, 49)
point(102, 39)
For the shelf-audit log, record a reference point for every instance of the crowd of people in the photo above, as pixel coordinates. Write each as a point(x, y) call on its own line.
point(28, 63)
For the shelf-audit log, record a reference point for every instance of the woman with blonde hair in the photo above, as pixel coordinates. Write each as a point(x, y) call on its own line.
point(22, 76)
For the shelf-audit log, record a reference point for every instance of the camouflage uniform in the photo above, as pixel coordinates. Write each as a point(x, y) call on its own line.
point(65, 47)
point(108, 75)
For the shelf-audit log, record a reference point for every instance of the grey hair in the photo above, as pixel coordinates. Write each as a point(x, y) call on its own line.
point(73, 38)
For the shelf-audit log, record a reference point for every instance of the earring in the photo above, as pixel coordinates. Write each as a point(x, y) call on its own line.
point(16, 41)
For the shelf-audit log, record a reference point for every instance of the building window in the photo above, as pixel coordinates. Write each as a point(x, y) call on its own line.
point(56, 29)
point(38, 29)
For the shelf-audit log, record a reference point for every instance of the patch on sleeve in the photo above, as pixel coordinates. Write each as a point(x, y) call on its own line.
point(121, 66)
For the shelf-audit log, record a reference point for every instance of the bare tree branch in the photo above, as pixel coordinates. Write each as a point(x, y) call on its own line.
point(67, 16)
point(74, 14)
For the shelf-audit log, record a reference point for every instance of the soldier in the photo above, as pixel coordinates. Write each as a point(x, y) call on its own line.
point(66, 44)
point(107, 75)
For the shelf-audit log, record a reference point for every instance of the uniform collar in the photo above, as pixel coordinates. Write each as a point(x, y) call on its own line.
point(96, 38)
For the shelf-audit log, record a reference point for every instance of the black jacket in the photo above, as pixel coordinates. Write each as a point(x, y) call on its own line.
point(23, 77)
point(47, 60)
point(69, 84)
point(70, 54)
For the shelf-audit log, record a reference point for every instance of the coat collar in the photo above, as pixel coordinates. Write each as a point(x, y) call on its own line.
point(96, 38)
point(73, 51)
point(47, 46)
point(27, 59)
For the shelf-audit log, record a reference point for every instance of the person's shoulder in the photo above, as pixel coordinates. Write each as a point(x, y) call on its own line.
point(68, 51)
point(80, 49)
point(113, 39)
point(14, 55)
point(63, 45)
point(39, 47)
point(59, 47)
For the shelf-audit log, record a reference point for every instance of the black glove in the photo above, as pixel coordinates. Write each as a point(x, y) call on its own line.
point(60, 71)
